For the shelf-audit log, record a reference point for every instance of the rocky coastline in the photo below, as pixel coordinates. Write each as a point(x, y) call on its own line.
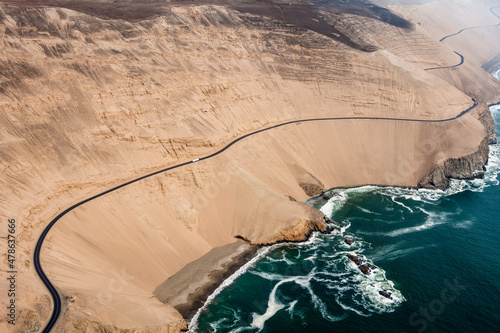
point(467, 167)
point(97, 93)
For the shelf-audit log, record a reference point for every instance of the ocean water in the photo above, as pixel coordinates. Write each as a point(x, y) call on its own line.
point(436, 252)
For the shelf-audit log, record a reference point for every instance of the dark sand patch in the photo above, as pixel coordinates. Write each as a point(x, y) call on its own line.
point(188, 289)
point(303, 15)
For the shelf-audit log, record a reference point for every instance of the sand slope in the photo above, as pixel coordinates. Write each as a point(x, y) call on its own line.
point(88, 103)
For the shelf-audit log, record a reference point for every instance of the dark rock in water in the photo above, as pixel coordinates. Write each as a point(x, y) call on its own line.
point(325, 196)
point(329, 229)
point(348, 241)
point(354, 259)
point(385, 293)
point(366, 268)
point(479, 175)
point(327, 220)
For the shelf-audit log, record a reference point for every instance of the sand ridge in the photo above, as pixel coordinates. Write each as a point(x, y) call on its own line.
point(87, 104)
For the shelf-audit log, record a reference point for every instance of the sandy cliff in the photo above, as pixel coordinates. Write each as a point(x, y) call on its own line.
point(421, 46)
point(90, 102)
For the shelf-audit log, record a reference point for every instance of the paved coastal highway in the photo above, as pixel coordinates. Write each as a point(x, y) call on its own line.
point(458, 33)
point(475, 27)
point(38, 267)
point(444, 67)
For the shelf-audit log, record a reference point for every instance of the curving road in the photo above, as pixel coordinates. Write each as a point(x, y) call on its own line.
point(459, 64)
point(470, 28)
point(462, 30)
point(36, 257)
point(476, 27)
point(493, 12)
point(38, 267)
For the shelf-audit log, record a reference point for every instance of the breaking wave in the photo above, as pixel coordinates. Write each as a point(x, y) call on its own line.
point(318, 276)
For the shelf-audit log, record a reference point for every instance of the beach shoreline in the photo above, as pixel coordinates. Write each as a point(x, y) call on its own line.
point(188, 289)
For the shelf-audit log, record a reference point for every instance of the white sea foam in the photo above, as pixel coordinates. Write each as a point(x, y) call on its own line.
point(291, 307)
point(355, 291)
point(305, 282)
point(193, 325)
point(401, 253)
point(285, 259)
point(267, 276)
point(347, 225)
point(456, 186)
point(393, 198)
point(428, 196)
point(273, 306)
point(229, 320)
point(339, 197)
point(464, 224)
point(334, 203)
point(362, 290)
point(311, 258)
point(350, 308)
point(313, 241)
point(217, 324)
point(431, 221)
point(367, 210)
point(365, 287)
point(386, 251)
point(370, 285)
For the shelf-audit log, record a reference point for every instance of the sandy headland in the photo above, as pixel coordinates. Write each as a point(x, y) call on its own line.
point(90, 100)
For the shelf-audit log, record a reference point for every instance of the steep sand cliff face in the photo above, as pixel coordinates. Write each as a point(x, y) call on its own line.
point(421, 46)
point(478, 42)
point(88, 103)
point(155, 227)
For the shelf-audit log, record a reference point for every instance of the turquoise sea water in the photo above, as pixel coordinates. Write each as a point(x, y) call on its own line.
point(437, 253)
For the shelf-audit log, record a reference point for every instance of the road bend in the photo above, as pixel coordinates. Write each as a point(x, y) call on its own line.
point(459, 32)
point(53, 291)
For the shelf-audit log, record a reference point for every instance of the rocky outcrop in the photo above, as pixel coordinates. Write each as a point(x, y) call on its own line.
point(385, 293)
point(107, 100)
point(297, 233)
point(493, 64)
point(467, 167)
point(366, 267)
point(354, 259)
point(311, 189)
point(484, 116)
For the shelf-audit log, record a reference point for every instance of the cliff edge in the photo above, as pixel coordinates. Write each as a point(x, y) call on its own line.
point(96, 93)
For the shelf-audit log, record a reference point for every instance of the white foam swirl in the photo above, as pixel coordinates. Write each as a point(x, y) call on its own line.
point(361, 290)
point(193, 325)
